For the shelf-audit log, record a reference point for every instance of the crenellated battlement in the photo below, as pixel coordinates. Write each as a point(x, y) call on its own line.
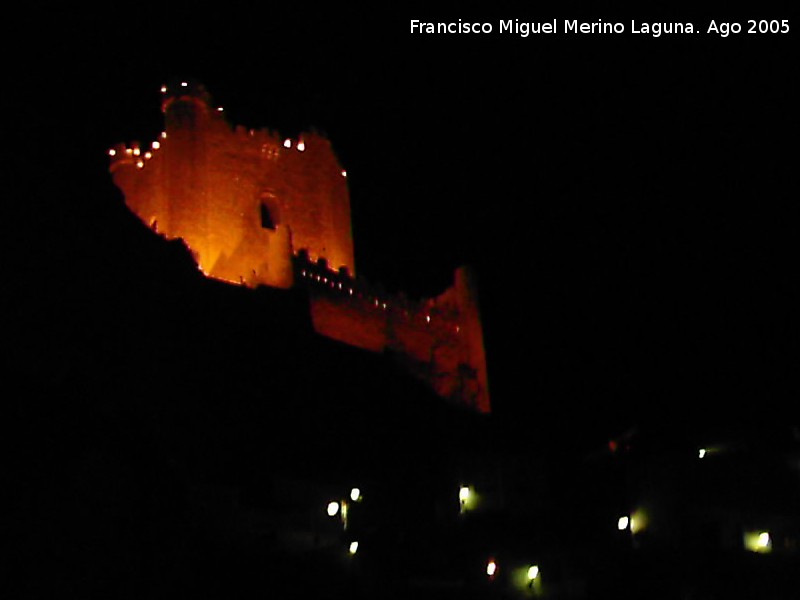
point(258, 209)
point(437, 314)
point(438, 339)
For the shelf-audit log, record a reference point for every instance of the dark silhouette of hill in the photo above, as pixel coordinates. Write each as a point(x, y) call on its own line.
point(143, 382)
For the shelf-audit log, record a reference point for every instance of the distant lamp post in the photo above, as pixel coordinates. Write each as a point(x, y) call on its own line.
point(534, 583)
point(464, 497)
point(758, 541)
point(353, 548)
point(491, 568)
point(701, 453)
point(622, 523)
point(342, 507)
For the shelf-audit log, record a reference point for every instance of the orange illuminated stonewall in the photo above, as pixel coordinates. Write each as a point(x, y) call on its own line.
point(257, 209)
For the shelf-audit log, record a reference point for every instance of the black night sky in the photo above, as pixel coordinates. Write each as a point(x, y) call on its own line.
point(628, 202)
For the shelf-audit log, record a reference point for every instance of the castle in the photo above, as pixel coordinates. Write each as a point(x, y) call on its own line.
point(255, 209)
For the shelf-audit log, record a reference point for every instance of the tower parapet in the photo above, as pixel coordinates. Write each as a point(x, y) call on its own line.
point(256, 209)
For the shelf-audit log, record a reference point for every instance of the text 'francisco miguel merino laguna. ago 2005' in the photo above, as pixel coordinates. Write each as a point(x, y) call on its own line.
point(569, 26)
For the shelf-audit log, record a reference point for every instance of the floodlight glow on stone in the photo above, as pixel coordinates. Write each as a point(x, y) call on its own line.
point(533, 572)
point(215, 217)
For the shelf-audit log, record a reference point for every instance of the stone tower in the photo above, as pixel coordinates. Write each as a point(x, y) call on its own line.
point(244, 201)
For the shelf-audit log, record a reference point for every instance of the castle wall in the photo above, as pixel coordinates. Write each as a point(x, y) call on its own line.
point(258, 210)
point(438, 340)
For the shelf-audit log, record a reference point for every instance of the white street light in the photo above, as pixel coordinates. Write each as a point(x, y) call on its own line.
point(491, 568)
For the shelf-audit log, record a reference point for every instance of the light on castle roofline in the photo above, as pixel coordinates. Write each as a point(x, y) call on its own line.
point(301, 146)
point(156, 145)
point(163, 89)
point(287, 143)
point(112, 152)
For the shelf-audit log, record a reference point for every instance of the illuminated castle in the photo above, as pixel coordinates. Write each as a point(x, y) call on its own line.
point(255, 209)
